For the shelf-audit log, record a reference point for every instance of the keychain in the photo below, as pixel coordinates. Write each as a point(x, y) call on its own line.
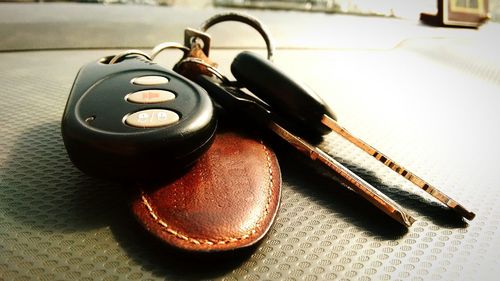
point(292, 112)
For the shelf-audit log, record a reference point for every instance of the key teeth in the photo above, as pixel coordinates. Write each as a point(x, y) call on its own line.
point(433, 191)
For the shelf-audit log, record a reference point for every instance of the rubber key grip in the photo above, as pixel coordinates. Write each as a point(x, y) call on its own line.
point(288, 98)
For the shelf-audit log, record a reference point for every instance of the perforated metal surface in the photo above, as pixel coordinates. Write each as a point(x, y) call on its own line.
point(59, 224)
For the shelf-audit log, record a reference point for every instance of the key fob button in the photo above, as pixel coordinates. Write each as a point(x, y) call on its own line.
point(150, 96)
point(150, 80)
point(152, 118)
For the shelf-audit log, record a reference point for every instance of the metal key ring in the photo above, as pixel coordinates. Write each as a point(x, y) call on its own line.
point(168, 45)
point(127, 53)
point(253, 22)
point(209, 67)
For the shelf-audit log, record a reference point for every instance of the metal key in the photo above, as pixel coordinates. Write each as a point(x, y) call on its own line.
point(305, 108)
point(243, 105)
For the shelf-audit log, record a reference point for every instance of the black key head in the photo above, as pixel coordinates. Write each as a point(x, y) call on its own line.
point(297, 104)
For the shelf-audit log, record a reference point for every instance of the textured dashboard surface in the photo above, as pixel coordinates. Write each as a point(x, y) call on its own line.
point(438, 118)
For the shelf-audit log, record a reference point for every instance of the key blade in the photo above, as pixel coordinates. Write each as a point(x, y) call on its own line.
point(443, 198)
point(350, 179)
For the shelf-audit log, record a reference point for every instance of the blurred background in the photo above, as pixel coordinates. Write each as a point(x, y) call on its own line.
point(390, 8)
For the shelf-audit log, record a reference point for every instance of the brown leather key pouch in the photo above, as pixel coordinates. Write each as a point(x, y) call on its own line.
point(228, 200)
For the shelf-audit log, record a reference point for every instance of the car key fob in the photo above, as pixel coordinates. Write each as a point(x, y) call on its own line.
point(135, 120)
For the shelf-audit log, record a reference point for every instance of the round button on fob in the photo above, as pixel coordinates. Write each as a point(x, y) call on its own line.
point(151, 118)
point(149, 80)
point(135, 120)
point(150, 96)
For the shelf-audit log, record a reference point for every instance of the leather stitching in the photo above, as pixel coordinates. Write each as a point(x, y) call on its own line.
point(224, 241)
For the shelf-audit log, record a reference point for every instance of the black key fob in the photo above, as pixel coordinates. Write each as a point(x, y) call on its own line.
point(135, 120)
